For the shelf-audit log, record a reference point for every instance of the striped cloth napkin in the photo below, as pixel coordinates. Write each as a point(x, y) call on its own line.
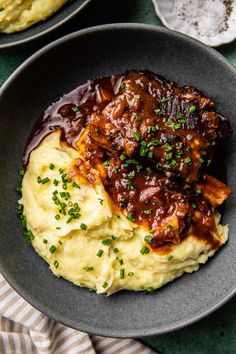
point(25, 330)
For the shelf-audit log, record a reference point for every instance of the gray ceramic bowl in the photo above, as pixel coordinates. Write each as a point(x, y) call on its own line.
point(62, 16)
point(58, 68)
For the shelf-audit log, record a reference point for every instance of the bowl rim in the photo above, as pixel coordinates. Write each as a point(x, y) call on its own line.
point(110, 332)
point(47, 30)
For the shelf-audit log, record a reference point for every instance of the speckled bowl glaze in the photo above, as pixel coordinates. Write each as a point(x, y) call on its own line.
point(41, 29)
point(44, 77)
point(212, 22)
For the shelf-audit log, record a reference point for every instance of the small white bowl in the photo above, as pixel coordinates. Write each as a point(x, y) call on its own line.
point(212, 22)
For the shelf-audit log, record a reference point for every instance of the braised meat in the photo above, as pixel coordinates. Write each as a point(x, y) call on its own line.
point(148, 141)
point(174, 128)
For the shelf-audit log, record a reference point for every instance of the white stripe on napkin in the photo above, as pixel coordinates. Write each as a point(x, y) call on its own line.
point(25, 330)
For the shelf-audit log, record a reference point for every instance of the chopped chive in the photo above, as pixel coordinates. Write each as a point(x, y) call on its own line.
point(144, 250)
point(208, 162)
point(153, 142)
point(170, 258)
point(158, 111)
point(115, 250)
point(83, 226)
point(122, 273)
point(117, 216)
point(107, 242)
point(113, 237)
point(150, 290)
point(151, 129)
point(138, 118)
point(100, 253)
point(143, 151)
point(60, 243)
point(45, 180)
point(69, 219)
point(121, 261)
point(173, 163)
point(193, 205)
point(89, 269)
point(52, 249)
point(122, 157)
point(151, 231)
point(187, 160)
point(21, 172)
point(39, 179)
point(105, 285)
point(201, 160)
point(116, 168)
point(164, 119)
point(177, 126)
point(137, 136)
point(74, 184)
point(28, 235)
point(130, 217)
point(51, 166)
point(57, 217)
point(148, 212)
point(167, 147)
point(45, 241)
point(138, 97)
point(55, 182)
point(106, 163)
point(148, 239)
point(56, 264)
point(96, 129)
point(164, 100)
point(130, 274)
point(150, 154)
point(2, 9)
point(192, 109)
point(169, 156)
point(61, 170)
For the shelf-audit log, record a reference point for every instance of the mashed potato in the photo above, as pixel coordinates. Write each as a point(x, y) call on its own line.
point(100, 249)
point(17, 15)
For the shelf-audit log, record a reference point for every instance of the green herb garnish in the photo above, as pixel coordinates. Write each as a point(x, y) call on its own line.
point(56, 264)
point(122, 273)
point(83, 226)
point(100, 253)
point(144, 250)
point(52, 249)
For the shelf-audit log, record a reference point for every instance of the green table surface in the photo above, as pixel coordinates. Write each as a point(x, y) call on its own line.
point(217, 333)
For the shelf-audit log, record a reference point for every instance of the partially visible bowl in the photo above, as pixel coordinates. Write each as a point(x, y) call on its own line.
point(212, 22)
point(40, 29)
